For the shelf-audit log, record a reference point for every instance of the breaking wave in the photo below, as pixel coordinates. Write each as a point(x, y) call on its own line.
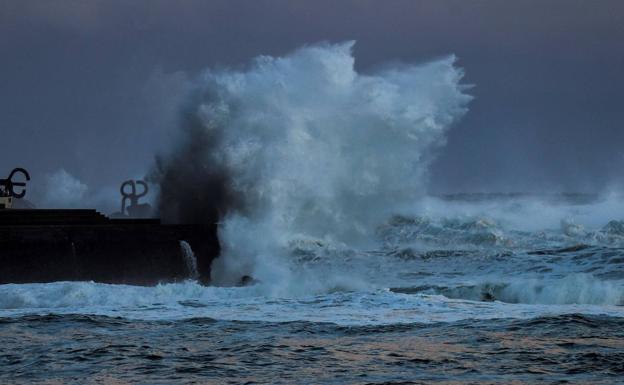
point(573, 289)
point(190, 300)
point(303, 146)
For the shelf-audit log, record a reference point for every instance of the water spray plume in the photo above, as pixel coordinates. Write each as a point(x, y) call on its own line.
point(305, 147)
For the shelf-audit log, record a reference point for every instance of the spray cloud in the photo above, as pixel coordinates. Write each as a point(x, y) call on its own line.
point(303, 147)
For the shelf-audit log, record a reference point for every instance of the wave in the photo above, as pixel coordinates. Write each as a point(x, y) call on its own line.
point(189, 300)
point(91, 294)
point(582, 289)
point(513, 221)
point(305, 146)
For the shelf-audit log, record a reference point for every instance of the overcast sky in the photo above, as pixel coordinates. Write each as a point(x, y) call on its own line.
point(91, 86)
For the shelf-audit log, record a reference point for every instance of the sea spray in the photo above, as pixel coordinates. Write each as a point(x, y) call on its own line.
point(63, 190)
point(305, 147)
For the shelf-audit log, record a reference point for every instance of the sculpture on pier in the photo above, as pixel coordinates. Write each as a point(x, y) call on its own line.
point(8, 185)
point(129, 193)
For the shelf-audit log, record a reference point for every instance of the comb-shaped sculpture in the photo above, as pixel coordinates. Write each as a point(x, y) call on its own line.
point(8, 185)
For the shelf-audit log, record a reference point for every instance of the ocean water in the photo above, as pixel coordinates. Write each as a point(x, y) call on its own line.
point(484, 294)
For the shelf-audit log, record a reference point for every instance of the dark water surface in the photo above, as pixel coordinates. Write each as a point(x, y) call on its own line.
point(533, 295)
point(78, 349)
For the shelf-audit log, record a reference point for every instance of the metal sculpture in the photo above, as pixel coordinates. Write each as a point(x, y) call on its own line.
point(135, 209)
point(7, 186)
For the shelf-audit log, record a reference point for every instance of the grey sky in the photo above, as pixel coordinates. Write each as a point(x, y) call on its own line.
point(91, 86)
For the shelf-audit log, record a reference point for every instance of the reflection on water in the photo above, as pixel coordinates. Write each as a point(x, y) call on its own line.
point(70, 349)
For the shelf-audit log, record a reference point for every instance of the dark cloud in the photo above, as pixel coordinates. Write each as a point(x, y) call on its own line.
point(91, 86)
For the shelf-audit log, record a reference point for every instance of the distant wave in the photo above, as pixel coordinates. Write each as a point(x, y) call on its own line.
point(573, 289)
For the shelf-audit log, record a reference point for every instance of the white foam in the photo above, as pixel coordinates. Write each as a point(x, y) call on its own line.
point(190, 300)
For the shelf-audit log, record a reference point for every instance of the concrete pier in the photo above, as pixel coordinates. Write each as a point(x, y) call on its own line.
point(84, 245)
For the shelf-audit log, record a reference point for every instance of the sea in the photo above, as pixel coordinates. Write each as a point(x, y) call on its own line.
point(466, 289)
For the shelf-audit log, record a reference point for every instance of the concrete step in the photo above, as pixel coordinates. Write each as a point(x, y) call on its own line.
point(18, 217)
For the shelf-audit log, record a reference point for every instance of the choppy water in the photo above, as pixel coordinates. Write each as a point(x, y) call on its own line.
point(78, 349)
point(508, 291)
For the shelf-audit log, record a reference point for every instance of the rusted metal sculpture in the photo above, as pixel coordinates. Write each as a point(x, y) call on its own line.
point(135, 209)
point(7, 188)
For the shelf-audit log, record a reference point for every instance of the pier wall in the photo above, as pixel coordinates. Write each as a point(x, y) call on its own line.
point(83, 245)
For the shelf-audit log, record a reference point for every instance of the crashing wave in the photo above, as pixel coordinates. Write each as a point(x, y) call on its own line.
point(305, 146)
